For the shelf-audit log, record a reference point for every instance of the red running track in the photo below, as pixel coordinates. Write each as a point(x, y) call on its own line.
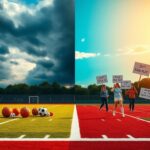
point(9, 145)
point(94, 123)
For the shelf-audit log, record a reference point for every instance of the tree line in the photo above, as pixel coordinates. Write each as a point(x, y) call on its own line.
point(46, 88)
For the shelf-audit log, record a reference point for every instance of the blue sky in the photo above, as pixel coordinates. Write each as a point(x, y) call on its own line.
point(30, 1)
point(110, 37)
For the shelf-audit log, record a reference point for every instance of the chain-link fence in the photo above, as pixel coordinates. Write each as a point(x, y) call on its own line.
point(74, 99)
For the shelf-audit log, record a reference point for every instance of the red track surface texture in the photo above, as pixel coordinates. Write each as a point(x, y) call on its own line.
point(74, 145)
point(94, 123)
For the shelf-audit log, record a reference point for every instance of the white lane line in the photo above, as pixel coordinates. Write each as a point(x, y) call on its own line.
point(8, 121)
point(33, 119)
point(22, 136)
point(129, 136)
point(50, 120)
point(75, 130)
point(103, 120)
point(47, 136)
point(81, 139)
point(104, 137)
point(135, 117)
point(119, 120)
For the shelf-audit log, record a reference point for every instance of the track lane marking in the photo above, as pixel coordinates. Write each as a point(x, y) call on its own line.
point(104, 136)
point(135, 117)
point(119, 120)
point(129, 136)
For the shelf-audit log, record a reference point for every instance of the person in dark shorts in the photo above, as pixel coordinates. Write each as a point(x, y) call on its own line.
point(131, 93)
point(104, 97)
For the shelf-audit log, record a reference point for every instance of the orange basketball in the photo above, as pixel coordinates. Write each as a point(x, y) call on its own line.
point(25, 112)
point(16, 111)
point(34, 111)
point(6, 112)
point(51, 114)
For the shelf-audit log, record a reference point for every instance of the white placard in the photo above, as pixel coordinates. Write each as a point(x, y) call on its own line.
point(117, 78)
point(101, 79)
point(142, 69)
point(126, 84)
point(145, 93)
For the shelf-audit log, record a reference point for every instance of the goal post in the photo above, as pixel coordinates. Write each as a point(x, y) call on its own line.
point(33, 99)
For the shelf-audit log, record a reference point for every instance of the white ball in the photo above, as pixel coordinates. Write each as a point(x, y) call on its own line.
point(12, 115)
point(43, 111)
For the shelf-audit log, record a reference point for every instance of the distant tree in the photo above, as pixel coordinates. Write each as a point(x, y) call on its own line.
point(55, 88)
point(94, 89)
point(17, 89)
point(1, 90)
point(79, 90)
point(145, 83)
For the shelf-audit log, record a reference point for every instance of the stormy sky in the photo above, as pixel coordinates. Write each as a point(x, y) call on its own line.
point(36, 41)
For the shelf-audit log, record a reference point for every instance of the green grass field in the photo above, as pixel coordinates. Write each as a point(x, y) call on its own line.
point(58, 126)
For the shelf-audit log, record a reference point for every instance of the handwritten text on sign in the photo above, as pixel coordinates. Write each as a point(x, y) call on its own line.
point(142, 69)
point(126, 84)
point(101, 79)
point(145, 93)
point(117, 78)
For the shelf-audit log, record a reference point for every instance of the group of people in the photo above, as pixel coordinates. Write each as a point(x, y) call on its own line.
point(118, 97)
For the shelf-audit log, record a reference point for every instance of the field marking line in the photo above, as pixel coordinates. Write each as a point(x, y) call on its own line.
point(46, 136)
point(119, 120)
point(80, 140)
point(103, 120)
point(22, 136)
point(104, 137)
point(33, 119)
point(8, 121)
point(75, 130)
point(130, 136)
point(135, 117)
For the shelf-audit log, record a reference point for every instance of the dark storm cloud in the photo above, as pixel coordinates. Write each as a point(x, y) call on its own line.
point(2, 58)
point(4, 72)
point(14, 62)
point(3, 50)
point(32, 51)
point(49, 33)
point(46, 64)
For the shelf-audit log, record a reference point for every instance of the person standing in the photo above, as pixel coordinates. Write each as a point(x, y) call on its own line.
point(104, 97)
point(118, 98)
point(131, 93)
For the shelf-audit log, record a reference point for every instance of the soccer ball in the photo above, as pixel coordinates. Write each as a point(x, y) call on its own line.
point(43, 112)
point(12, 115)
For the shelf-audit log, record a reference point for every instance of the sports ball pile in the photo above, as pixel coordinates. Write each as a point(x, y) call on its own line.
point(41, 112)
point(25, 112)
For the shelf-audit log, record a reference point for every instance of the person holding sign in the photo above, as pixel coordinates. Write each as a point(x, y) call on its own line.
point(131, 93)
point(118, 98)
point(104, 97)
